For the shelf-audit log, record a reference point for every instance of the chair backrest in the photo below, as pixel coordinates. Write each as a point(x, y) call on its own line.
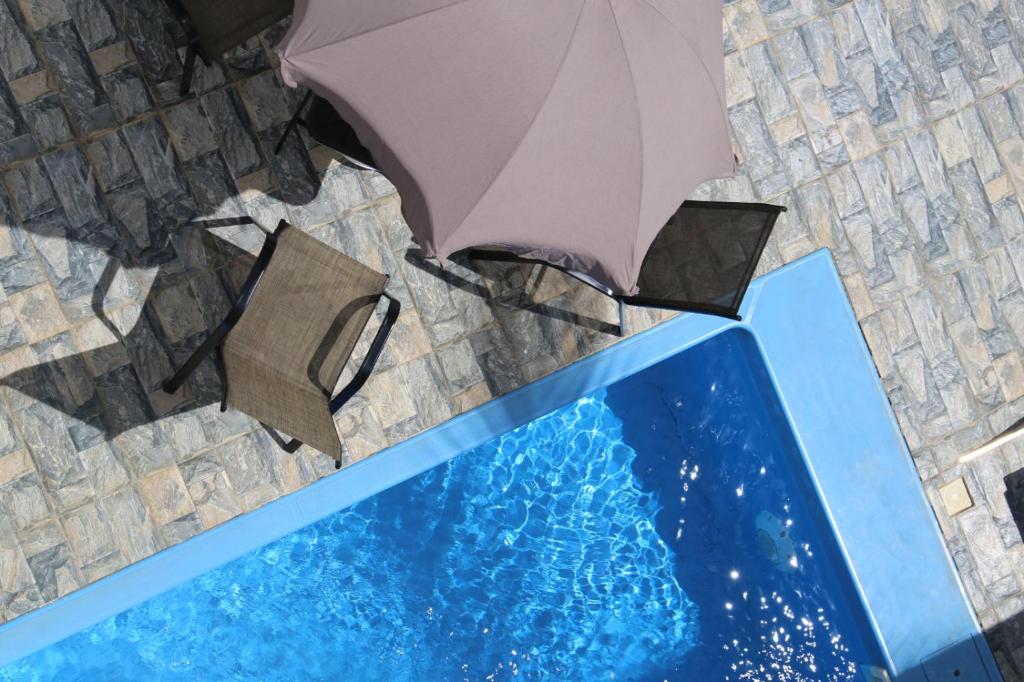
point(285, 355)
point(222, 25)
point(704, 257)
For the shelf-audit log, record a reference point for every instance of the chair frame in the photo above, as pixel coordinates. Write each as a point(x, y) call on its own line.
point(193, 50)
point(639, 301)
point(215, 341)
point(297, 120)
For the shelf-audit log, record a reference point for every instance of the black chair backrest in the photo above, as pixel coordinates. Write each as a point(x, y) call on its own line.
point(705, 256)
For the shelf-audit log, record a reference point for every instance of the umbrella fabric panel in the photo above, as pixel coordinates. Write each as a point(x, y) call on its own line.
point(440, 100)
point(567, 131)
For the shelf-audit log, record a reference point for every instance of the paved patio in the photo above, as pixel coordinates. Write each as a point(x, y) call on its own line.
point(892, 130)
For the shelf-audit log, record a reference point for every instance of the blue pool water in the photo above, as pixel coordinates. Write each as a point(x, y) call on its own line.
point(661, 529)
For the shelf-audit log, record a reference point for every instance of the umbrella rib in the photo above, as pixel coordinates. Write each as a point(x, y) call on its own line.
point(686, 41)
point(639, 124)
point(529, 127)
point(383, 26)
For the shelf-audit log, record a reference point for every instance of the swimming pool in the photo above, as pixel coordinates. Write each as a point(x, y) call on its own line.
point(680, 521)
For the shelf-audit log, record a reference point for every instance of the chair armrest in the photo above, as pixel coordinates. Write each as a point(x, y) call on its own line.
point(370, 361)
point(216, 338)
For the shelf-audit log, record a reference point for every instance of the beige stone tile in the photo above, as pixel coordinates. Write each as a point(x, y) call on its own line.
point(786, 129)
point(18, 359)
point(165, 495)
point(254, 185)
point(214, 499)
point(15, 465)
point(390, 396)
point(111, 57)
point(408, 339)
point(88, 533)
point(41, 536)
point(955, 497)
point(858, 135)
point(259, 496)
point(39, 312)
point(998, 188)
point(31, 87)
point(860, 295)
point(474, 396)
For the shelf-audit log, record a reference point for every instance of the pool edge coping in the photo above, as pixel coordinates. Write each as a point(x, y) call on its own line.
point(172, 566)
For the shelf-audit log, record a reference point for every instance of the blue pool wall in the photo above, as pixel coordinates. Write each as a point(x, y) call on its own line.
point(802, 324)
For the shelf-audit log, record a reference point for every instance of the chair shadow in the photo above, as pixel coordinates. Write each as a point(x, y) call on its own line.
point(115, 387)
point(416, 258)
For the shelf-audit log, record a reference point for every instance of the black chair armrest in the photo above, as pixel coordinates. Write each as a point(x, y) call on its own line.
point(370, 361)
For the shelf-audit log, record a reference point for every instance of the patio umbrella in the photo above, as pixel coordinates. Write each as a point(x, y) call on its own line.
point(567, 131)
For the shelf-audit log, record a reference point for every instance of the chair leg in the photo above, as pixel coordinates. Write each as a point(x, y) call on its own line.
point(211, 344)
point(292, 123)
point(622, 318)
point(190, 65)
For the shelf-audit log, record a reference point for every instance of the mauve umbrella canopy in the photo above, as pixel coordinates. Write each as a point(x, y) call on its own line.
point(565, 130)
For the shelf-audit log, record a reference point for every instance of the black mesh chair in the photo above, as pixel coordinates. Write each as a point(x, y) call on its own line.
point(701, 261)
point(326, 126)
point(214, 27)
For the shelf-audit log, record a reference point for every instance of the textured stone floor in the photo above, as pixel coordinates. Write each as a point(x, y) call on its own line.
point(892, 129)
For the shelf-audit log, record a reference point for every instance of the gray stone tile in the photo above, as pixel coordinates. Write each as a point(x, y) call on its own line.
point(154, 156)
point(793, 58)
point(95, 22)
point(24, 502)
point(970, 192)
point(768, 82)
point(146, 23)
point(76, 190)
point(55, 572)
point(232, 131)
point(247, 465)
point(190, 129)
point(760, 160)
point(126, 90)
point(89, 534)
point(265, 100)
point(15, 139)
point(30, 189)
point(130, 523)
point(47, 121)
point(999, 117)
point(460, 365)
point(968, 26)
point(70, 64)
point(18, 57)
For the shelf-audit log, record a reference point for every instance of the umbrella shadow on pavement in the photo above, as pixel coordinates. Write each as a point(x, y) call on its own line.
point(114, 385)
point(513, 290)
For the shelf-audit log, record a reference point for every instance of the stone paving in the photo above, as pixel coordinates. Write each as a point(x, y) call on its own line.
point(892, 129)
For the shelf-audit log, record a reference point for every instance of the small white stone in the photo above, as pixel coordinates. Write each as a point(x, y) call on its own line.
point(955, 497)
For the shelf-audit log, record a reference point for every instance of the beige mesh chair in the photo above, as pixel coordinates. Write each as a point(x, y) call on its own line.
point(283, 346)
point(214, 27)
